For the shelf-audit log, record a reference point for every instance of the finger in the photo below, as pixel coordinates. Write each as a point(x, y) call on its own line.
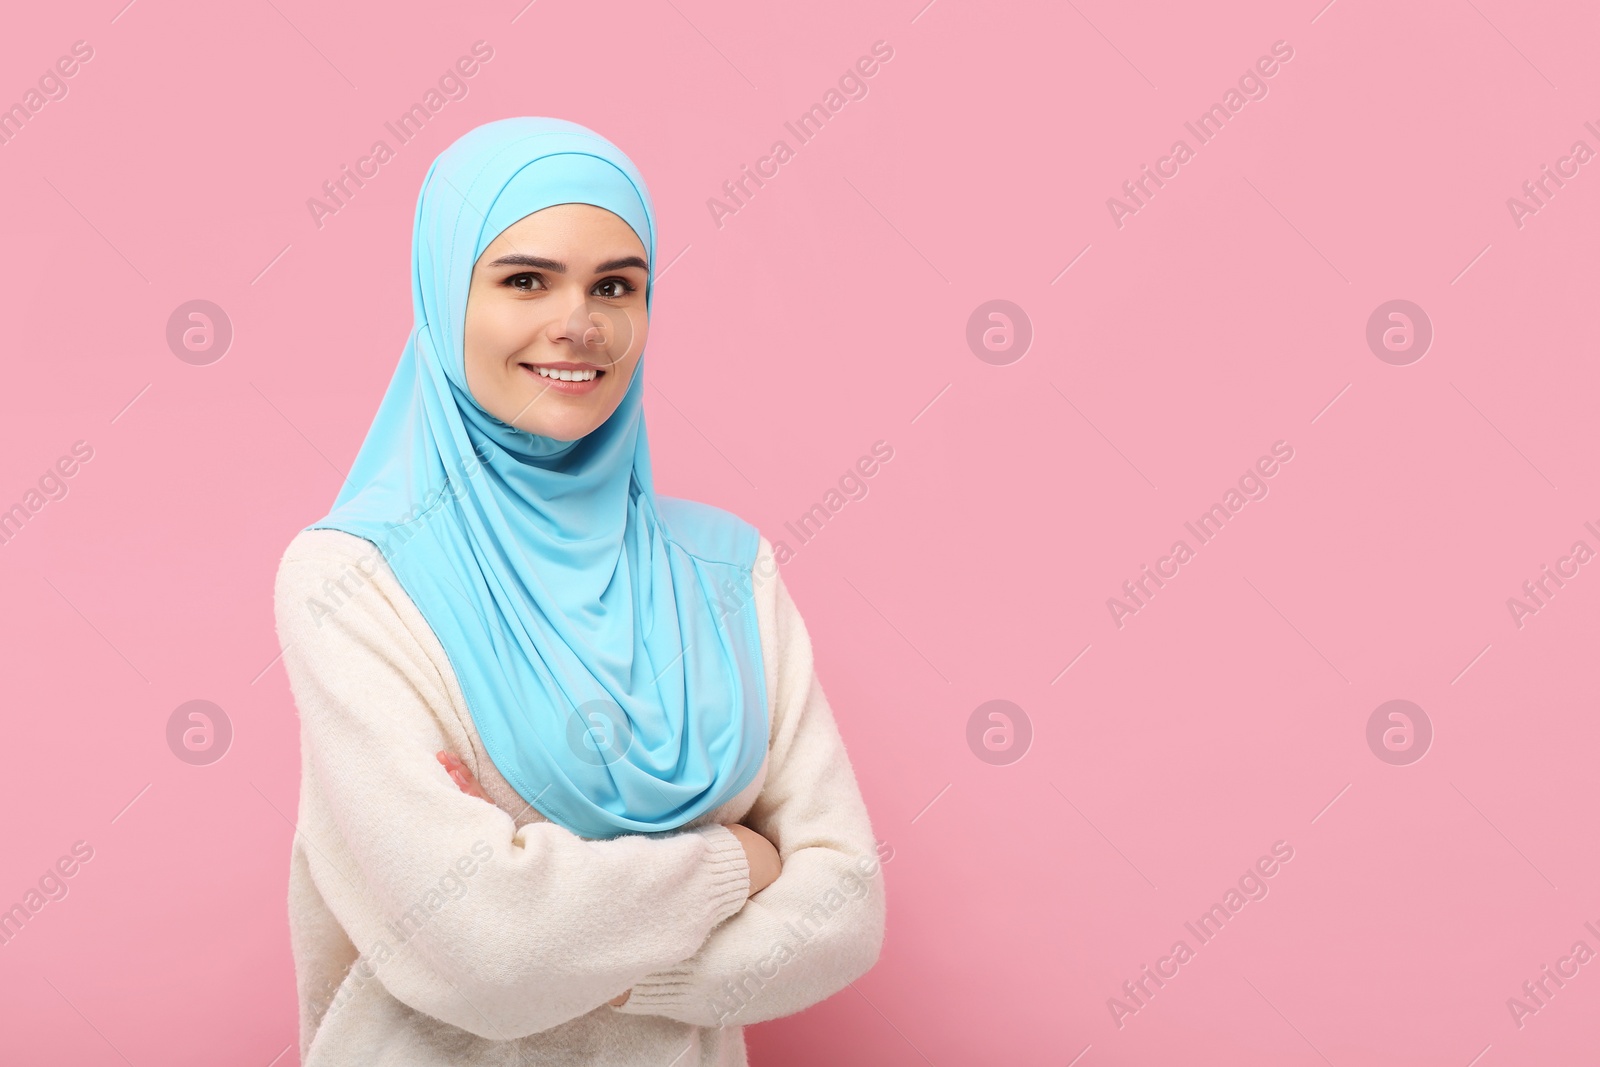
point(469, 784)
point(460, 774)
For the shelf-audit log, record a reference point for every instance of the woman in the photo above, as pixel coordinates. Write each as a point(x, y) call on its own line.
point(571, 792)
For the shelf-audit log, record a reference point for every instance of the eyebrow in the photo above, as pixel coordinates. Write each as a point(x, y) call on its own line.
point(518, 259)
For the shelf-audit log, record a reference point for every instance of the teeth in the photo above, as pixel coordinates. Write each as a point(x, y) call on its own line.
point(566, 375)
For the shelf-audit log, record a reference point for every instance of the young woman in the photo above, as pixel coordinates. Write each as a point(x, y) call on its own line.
point(571, 792)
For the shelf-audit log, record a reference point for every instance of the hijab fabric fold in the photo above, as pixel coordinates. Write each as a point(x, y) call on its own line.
point(612, 683)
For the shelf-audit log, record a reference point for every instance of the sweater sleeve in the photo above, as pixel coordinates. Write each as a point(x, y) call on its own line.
point(820, 924)
point(498, 930)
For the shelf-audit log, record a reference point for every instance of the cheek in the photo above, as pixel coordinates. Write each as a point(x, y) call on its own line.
point(492, 334)
point(487, 330)
point(487, 344)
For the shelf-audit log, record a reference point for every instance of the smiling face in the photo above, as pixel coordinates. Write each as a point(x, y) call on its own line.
point(556, 320)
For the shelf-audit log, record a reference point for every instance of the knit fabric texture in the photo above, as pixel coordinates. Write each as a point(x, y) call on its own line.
point(429, 927)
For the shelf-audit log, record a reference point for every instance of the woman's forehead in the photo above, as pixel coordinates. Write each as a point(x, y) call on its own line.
point(578, 232)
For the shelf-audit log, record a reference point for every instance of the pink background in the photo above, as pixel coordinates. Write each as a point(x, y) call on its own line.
point(831, 312)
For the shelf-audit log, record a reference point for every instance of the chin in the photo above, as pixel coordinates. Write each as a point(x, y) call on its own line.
point(561, 430)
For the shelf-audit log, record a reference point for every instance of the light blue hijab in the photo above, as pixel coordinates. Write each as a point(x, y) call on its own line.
point(613, 685)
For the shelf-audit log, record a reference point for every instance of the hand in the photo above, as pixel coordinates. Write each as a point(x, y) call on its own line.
point(620, 1001)
point(462, 775)
point(762, 855)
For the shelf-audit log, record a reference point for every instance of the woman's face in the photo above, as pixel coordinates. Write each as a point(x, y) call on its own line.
point(560, 288)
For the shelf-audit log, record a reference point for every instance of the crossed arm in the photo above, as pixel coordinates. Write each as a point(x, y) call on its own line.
point(759, 853)
point(464, 779)
point(525, 949)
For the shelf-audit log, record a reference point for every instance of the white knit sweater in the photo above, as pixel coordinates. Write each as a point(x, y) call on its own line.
point(432, 928)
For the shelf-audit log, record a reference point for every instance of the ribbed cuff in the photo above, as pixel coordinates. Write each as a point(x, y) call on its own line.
point(730, 871)
point(661, 992)
point(671, 994)
point(674, 987)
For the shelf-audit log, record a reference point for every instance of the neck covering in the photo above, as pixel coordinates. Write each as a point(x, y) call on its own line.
point(610, 683)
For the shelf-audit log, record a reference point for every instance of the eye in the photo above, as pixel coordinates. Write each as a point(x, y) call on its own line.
point(620, 287)
point(523, 281)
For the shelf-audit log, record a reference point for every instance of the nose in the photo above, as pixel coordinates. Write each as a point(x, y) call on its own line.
point(579, 326)
point(595, 328)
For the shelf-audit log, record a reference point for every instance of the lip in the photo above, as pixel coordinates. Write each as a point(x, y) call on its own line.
point(568, 388)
